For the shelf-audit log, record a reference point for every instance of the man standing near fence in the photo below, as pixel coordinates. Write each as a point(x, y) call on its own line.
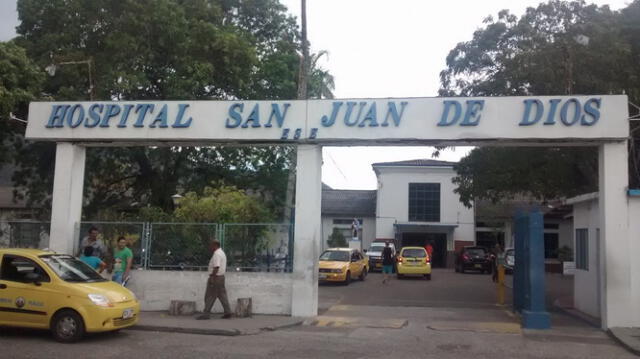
point(215, 283)
point(92, 240)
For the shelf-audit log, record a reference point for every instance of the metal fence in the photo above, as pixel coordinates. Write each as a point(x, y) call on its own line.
point(256, 247)
point(24, 234)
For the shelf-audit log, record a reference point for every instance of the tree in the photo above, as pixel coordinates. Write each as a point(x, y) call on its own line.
point(336, 239)
point(556, 48)
point(493, 173)
point(20, 82)
point(164, 50)
point(189, 238)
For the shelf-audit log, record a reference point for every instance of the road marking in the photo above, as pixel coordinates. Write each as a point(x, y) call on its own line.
point(482, 327)
point(357, 322)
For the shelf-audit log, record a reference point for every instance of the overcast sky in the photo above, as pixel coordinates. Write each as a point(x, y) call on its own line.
point(379, 48)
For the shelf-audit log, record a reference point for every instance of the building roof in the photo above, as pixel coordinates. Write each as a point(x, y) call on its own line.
point(349, 203)
point(416, 163)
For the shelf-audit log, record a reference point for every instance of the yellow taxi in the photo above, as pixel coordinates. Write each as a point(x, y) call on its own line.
point(342, 265)
point(413, 261)
point(40, 289)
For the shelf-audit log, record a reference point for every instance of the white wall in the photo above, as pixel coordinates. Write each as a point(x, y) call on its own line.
point(368, 229)
point(634, 236)
point(393, 200)
point(586, 215)
point(270, 292)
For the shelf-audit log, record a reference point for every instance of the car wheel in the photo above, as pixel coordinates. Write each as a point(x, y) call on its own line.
point(462, 269)
point(363, 275)
point(427, 276)
point(347, 279)
point(399, 276)
point(67, 326)
point(457, 269)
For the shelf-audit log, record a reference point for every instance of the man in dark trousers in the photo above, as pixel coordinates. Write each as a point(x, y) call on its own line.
point(387, 263)
point(215, 283)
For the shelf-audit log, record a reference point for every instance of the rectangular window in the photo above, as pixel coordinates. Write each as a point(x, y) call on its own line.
point(346, 221)
point(551, 245)
point(424, 202)
point(582, 249)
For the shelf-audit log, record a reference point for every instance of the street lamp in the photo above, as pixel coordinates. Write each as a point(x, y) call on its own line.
point(176, 199)
point(53, 67)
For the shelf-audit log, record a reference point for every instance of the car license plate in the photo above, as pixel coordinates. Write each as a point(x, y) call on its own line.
point(127, 313)
point(478, 266)
point(322, 276)
point(378, 265)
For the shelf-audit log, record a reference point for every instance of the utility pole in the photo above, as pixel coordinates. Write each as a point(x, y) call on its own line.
point(303, 78)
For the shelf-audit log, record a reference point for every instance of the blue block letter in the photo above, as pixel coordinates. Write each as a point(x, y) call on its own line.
point(526, 118)
point(472, 115)
point(182, 108)
point(275, 112)
point(565, 109)
point(329, 121)
point(444, 120)
point(56, 118)
point(235, 118)
point(591, 109)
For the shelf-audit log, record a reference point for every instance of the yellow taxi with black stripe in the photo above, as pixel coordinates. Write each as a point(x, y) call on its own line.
point(413, 261)
point(342, 265)
point(46, 290)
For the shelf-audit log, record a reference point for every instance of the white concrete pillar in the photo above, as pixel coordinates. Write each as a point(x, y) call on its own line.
point(308, 231)
point(66, 208)
point(617, 307)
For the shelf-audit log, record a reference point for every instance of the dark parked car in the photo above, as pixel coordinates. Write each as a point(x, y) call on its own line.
point(473, 258)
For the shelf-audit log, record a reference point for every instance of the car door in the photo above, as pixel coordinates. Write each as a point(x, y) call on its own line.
point(354, 264)
point(364, 261)
point(23, 303)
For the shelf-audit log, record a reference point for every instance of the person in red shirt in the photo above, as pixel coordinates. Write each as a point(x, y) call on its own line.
point(429, 249)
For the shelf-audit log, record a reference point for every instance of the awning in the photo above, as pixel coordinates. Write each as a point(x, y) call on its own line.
point(424, 227)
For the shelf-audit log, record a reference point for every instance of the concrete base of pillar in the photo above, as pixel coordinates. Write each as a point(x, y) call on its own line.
point(536, 320)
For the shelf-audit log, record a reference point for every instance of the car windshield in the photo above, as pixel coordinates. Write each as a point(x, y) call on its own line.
point(414, 253)
point(376, 248)
point(475, 251)
point(71, 269)
point(340, 256)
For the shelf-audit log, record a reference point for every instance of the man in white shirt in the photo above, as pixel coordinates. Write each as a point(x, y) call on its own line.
point(215, 283)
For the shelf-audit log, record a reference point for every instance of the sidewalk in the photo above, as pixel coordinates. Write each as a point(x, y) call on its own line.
point(628, 337)
point(162, 322)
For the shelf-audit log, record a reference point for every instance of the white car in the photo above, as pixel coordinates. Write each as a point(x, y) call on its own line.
point(375, 254)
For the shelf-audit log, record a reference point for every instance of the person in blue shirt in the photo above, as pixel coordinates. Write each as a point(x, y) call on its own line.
point(93, 261)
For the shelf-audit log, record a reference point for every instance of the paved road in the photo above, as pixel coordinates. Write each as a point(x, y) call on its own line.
point(355, 325)
point(446, 289)
point(428, 333)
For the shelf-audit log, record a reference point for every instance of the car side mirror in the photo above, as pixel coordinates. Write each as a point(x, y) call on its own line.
point(364, 250)
point(33, 278)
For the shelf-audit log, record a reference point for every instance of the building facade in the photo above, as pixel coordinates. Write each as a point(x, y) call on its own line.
point(416, 205)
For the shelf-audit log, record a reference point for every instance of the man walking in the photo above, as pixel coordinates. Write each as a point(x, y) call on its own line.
point(215, 283)
point(387, 263)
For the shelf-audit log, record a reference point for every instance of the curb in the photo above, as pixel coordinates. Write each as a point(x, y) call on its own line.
point(622, 343)
point(157, 328)
point(218, 332)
